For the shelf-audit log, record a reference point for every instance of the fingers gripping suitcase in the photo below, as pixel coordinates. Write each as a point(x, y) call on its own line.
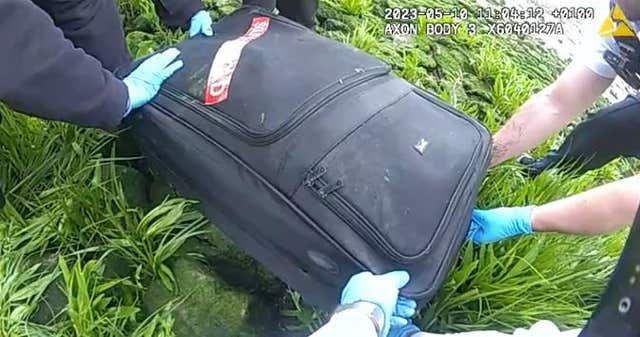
point(314, 158)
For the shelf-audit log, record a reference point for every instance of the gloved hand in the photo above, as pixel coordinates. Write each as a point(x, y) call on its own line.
point(403, 331)
point(144, 82)
point(405, 309)
point(381, 290)
point(498, 224)
point(534, 167)
point(201, 22)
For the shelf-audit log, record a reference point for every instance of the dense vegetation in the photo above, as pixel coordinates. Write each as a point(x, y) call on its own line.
point(90, 246)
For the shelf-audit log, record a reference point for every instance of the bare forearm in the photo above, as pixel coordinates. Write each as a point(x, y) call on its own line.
point(597, 211)
point(547, 112)
point(537, 120)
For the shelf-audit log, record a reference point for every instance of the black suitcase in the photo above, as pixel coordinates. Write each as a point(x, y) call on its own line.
point(314, 158)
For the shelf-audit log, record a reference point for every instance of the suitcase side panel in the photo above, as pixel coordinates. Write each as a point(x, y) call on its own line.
point(410, 206)
point(258, 218)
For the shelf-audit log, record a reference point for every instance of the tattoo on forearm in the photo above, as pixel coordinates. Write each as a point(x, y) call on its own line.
point(498, 151)
point(502, 149)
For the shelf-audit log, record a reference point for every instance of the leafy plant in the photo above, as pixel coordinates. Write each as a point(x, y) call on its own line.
point(159, 324)
point(91, 310)
point(156, 237)
point(66, 197)
point(356, 7)
point(20, 290)
point(363, 37)
point(308, 318)
point(519, 283)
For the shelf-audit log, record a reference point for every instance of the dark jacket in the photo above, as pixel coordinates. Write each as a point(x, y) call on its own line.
point(177, 13)
point(43, 74)
point(57, 56)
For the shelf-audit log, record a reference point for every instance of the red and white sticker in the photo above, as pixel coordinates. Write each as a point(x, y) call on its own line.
point(226, 60)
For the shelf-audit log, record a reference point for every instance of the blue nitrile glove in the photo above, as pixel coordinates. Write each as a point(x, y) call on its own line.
point(405, 309)
point(407, 330)
point(144, 82)
point(381, 290)
point(498, 224)
point(201, 22)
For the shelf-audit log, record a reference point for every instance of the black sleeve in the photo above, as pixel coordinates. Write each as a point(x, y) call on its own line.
point(266, 4)
point(44, 75)
point(93, 25)
point(177, 13)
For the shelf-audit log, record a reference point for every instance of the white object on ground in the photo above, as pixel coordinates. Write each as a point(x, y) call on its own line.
point(348, 323)
point(540, 329)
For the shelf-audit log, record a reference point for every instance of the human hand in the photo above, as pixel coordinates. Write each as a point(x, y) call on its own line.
point(488, 226)
point(407, 330)
point(201, 22)
point(144, 82)
point(534, 167)
point(404, 310)
point(381, 290)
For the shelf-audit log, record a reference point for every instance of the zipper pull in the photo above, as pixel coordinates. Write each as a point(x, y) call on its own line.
point(325, 191)
point(314, 175)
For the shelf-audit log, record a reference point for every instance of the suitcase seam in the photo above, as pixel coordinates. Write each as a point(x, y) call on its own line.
point(343, 138)
point(279, 194)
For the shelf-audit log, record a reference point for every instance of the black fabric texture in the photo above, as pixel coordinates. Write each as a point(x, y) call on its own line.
point(301, 11)
point(320, 163)
point(177, 13)
point(617, 313)
point(91, 25)
point(610, 133)
point(45, 75)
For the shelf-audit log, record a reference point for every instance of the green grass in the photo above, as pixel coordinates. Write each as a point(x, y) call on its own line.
point(22, 286)
point(65, 199)
point(72, 212)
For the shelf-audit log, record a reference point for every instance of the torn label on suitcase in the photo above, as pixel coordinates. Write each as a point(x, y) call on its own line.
point(226, 60)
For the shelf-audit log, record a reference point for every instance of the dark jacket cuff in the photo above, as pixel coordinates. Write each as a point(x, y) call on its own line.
point(177, 13)
point(114, 108)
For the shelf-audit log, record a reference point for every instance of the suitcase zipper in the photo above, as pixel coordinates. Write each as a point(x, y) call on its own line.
point(350, 215)
point(307, 109)
point(178, 119)
point(330, 196)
